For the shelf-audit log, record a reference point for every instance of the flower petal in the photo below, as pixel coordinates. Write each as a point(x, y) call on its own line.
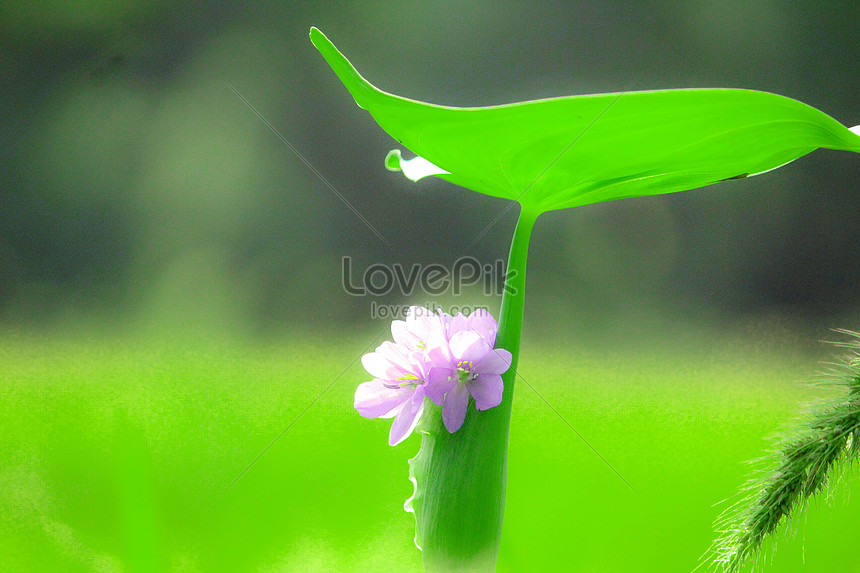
point(458, 323)
point(421, 367)
point(389, 361)
point(376, 365)
point(469, 345)
point(487, 391)
point(402, 334)
point(439, 351)
point(454, 409)
point(496, 362)
point(405, 421)
point(375, 400)
point(439, 382)
point(385, 362)
point(414, 330)
point(481, 322)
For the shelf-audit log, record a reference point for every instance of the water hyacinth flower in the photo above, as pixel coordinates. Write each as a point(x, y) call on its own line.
point(465, 365)
point(436, 355)
point(396, 391)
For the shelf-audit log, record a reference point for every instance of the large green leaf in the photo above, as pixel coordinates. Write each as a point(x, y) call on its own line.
point(561, 152)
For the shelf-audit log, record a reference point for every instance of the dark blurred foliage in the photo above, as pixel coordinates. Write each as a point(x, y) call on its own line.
point(137, 189)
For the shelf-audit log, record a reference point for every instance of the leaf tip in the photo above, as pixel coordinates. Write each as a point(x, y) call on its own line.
point(318, 39)
point(359, 87)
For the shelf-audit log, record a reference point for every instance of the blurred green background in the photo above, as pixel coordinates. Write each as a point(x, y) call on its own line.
point(171, 300)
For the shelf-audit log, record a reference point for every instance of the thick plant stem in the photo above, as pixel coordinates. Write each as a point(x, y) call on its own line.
point(460, 478)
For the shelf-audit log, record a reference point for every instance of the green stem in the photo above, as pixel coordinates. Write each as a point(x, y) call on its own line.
point(460, 478)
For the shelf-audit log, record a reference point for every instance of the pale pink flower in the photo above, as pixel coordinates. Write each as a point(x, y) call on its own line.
point(439, 356)
point(397, 390)
point(467, 364)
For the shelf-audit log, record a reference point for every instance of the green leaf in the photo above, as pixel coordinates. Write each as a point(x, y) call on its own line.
point(562, 152)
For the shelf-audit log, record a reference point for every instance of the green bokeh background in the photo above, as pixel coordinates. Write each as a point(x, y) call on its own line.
point(171, 301)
